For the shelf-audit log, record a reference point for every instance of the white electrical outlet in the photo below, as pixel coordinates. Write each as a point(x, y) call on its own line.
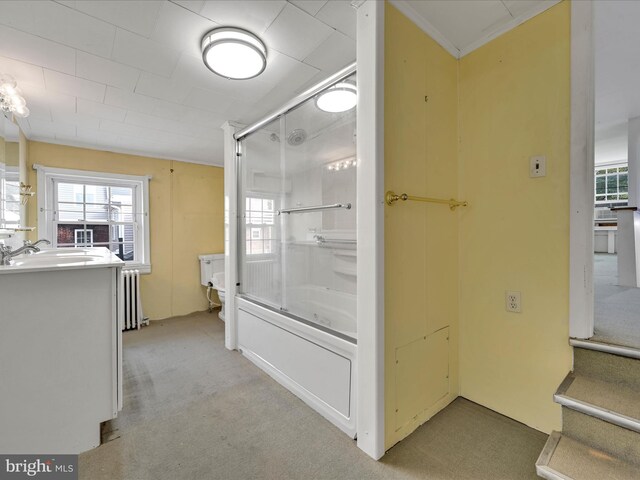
point(513, 301)
point(537, 166)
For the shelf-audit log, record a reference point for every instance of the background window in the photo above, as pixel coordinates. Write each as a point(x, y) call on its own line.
point(260, 223)
point(612, 184)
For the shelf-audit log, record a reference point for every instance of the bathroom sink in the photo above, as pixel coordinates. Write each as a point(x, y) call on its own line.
point(65, 258)
point(52, 260)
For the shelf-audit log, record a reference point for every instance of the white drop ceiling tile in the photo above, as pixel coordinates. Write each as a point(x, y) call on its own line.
point(126, 129)
point(24, 73)
point(38, 108)
point(137, 16)
point(40, 101)
point(193, 5)
point(296, 33)
point(70, 85)
point(208, 99)
point(67, 3)
point(62, 117)
point(105, 71)
point(57, 129)
point(61, 102)
point(95, 135)
point(128, 100)
point(181, 29)
point(37, 51)
point(161, 87)
point(192, 72)
point(462, 22)
point(284, 70)
point(164, 124)
point(100, 110)
point(519, 7)
point(252, 15)
point(209, 120)
point(58, 23)
point(310, 6)
point(145, 54)
point(40, 127)
point(334, 53)
point(340, 15)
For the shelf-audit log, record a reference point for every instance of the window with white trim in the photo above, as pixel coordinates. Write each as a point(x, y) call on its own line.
point(612, 184)
point(260, 230)
point(93, 209)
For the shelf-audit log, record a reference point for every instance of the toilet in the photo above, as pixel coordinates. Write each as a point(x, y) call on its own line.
point(212, 276)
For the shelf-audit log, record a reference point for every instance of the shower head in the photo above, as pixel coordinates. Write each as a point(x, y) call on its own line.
point(297, 137)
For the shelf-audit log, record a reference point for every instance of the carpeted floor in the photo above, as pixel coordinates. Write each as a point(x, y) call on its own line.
point(617, 309)
point(194, 410)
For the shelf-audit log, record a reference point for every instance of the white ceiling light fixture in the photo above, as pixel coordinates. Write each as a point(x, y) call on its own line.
point(234, 53)
point(11, 102)
point(341, 97)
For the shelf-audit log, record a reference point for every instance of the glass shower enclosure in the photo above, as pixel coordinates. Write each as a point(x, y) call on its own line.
point(297, 216)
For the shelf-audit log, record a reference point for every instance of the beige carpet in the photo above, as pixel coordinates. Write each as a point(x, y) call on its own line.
point(617, 309)
point(194, 410)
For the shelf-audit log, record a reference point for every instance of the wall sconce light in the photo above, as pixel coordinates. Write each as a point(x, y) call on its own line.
point(11, 102)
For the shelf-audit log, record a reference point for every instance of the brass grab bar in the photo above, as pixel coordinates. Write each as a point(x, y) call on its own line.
point(391, 198)
point(314, 208)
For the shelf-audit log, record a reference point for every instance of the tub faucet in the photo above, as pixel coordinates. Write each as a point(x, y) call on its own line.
point(35, 244)
point(7, 253)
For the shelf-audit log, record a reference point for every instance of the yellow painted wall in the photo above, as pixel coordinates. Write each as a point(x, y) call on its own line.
point(485, 115)
point(186, 219)
point(514, 103)
point(421, 240)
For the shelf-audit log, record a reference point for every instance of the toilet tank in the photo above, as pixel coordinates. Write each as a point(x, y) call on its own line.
point(209, 265)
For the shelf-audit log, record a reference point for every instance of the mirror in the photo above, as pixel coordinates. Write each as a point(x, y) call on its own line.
point(9, 175)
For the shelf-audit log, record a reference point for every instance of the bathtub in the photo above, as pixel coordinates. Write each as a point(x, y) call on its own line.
point(328, 308)
point(315, 364)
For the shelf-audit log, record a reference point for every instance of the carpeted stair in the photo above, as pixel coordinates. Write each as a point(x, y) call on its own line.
point(600, 400)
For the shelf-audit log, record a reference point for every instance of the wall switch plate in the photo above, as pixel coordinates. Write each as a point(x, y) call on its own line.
point(513, 301)
point(537, 166)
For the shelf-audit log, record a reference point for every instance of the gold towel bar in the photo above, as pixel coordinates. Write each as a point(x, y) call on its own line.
point(392, 197)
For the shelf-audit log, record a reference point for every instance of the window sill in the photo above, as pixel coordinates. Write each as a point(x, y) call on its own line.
point(143, 268)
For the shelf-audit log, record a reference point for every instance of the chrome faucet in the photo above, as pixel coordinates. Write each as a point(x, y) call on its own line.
point(7, 253)
point(35, 244)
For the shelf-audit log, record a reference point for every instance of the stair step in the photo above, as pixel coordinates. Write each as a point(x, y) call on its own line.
point(615, 403)
point(620, 350)
point(607, 366)
point(564, 458)
point(605, 436)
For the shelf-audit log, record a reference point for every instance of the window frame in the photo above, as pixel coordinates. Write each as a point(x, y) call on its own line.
point(48, 177)
point(607, 166)
point(248, 225)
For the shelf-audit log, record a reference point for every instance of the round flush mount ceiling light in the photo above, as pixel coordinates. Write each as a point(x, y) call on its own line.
point(341, 97)
point(234, 53)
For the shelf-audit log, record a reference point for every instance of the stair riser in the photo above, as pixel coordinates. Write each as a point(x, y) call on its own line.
point(607, 367)
point(615, 440)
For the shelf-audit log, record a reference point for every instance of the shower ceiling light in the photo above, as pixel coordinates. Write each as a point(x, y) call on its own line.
point(341, 97)
point(234, 53)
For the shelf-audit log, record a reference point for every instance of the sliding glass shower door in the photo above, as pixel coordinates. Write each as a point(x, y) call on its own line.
point(298, 225)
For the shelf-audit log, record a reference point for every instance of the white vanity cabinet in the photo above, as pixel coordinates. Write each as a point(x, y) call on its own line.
point(60, 351)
